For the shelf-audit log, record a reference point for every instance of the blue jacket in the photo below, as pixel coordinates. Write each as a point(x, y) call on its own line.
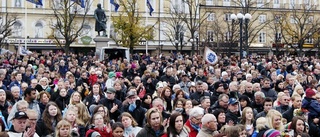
point(312, 106)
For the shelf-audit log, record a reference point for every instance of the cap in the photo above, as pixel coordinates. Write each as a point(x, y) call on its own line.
point(131, 93)
point(233, 101)
point(95, 134)
point(100, 76)
point(20, 115)
point(118, 74)
point(111, 74)
point(111, 90)
point(310, 92)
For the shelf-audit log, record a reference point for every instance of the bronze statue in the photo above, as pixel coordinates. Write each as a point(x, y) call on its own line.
point(101, 20)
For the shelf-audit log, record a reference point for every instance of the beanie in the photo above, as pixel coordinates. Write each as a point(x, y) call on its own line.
point(310, 92)
point(271, 133)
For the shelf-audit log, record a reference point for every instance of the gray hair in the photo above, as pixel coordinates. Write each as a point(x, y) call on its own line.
point(196, 111)
point(157, 99)
point(14, 88)
point(207, 118)
point(259, 93)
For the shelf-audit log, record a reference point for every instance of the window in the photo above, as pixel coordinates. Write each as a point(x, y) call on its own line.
point(278, 37)
point(17, 3)
point(309, 39)
point(17, 29)
point(262, 37)
point(210, 17)
point(38, 30)
point(209, 2)
point(262, 18)
point(228, 36)
point(259, 1)
point(276, 1)
point(210, 35)
point(227, 17)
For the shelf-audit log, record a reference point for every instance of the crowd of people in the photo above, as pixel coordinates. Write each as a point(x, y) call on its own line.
point(55, 95)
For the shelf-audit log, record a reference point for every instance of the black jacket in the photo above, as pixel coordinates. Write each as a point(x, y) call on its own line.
point(109, 104)
point(138, 113)
point(147, 131)
point(233, 117)
point(89, 100)
point(62, 102)
point(288, 114)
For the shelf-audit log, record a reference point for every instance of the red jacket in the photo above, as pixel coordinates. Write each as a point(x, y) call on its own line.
point(103, 132)
point(193, 132)
point(93, 78)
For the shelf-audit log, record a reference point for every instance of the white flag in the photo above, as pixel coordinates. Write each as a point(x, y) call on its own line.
point(211, 56)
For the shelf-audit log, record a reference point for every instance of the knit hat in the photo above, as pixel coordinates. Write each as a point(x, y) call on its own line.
point(272, 133)
point(310, 92)
point(159, 85)
point(111, 74)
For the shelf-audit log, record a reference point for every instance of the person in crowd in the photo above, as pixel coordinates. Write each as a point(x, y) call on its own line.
point(99, 126)
point(121, 89)
point(233, 114)
point(274, 120)
point(267, 105)
point(94, 96)
point(311, 104)
point(199, 92)
point(4, 105)
point(32, 120)
point(131, 127)
point(159, 89)
point(298, 125)
point(266, 89)
point(158, 103)
point(63, 99)
point(43, 85)
point(222, 103)
point(71, 115)
point(166, 96)
point(260, 126)
point(209, 126)
point(134, 107)
point(114, 105)
point(19, 126)
point(63, 129)
point(44, 98)
point(102, 110)
point(50, 117)
point(284, 104)
point(21, 105)
point(153, 127)
point(221, 118)
point(247, 119)
point(146, 101)
point(176, 127)
point(257, 103)
point(296, 104)
point(75, 98)
point(205, 104)
point(117, 130)
point(194, 121)
point(83, 114)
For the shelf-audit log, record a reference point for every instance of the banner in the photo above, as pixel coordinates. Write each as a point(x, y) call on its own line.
point(211, 56)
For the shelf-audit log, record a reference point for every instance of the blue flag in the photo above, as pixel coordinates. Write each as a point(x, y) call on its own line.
point(115, 4)
point(211, 56)
point(150, 7)
point(80, 2)
point(37, 2)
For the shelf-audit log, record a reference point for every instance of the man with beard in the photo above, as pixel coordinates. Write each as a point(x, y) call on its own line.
point(114, 105)
point(296, 104)
point(153, 127)
point(232, 115)
point(268, 92)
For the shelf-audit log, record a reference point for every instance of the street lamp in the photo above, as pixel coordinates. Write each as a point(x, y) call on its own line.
point(240, 17)
point(176, 44)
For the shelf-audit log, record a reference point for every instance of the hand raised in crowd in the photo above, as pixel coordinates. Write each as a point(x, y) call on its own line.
point(114, 108)
point(29, 133)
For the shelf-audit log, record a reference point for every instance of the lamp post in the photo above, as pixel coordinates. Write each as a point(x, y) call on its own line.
point(240, 17)
point(192, 46)
point(176, 42)
point(1, 38)
point(181, 40)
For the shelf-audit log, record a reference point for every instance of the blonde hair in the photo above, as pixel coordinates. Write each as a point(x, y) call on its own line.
point(261, 123)
point(270, 117)
point(151, 111)
point(83, 113)
point(72, 108)
point(62, 123)
point(71, 100)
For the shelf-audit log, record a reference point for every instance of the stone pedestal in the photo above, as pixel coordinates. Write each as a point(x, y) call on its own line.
point(100, 43)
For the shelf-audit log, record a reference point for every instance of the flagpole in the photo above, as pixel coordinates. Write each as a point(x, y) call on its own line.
point(146, 24)
point(25, 21)
point(109, 22)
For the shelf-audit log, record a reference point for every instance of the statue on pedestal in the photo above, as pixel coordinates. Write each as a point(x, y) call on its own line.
point(101, 20)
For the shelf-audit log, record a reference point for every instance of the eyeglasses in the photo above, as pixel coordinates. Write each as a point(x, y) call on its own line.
point(198, 119)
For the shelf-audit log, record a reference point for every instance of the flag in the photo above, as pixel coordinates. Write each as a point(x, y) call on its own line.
point(80, 2)
point(37, 2)
point(115, 4)
point(23, 51)
point(150, 7)
point(211, 56)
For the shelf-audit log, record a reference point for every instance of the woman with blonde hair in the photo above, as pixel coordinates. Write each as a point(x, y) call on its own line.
point(63, 129)
point(75, 98)
point(77, 125)
point(274, 120)
point(130, 125)
point(83, 113)
point(298, 90)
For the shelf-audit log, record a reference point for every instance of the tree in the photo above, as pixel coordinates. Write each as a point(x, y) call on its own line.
point(6, 24)
point(67, 23)
point(128, 26)
point(300, 25)
point(174, 26)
